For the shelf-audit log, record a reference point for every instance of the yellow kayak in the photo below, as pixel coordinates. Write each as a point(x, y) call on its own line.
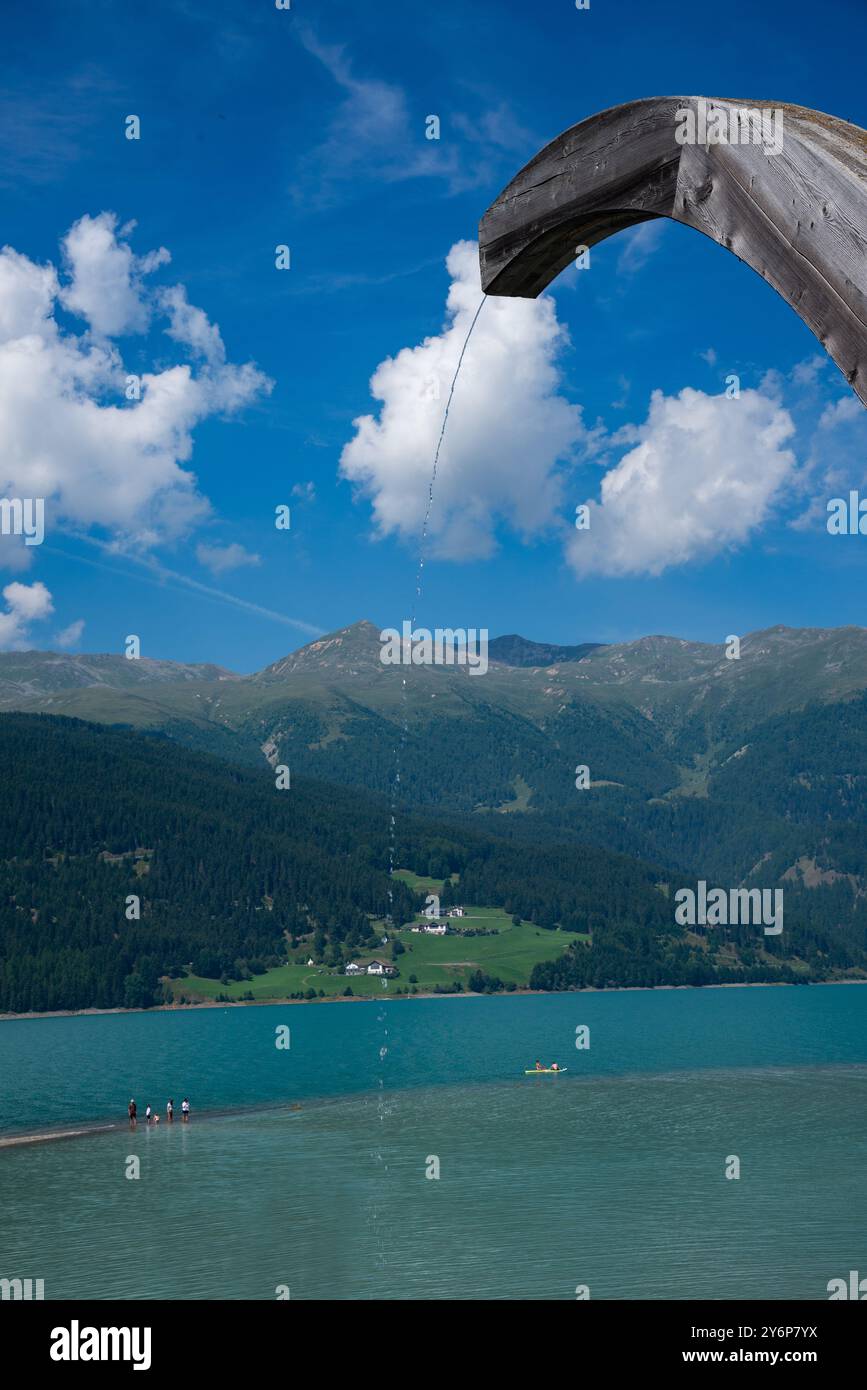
point(545, 1071)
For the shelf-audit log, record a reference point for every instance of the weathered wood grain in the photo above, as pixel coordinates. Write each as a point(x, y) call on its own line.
point(798, 217)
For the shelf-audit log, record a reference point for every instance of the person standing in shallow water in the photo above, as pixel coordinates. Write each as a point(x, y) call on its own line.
point(170, 1111)
point(185, 1109)
point(132, 1112)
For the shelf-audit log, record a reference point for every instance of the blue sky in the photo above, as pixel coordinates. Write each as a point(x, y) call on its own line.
point(261, 127)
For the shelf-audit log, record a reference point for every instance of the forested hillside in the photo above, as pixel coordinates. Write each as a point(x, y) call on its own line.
point(228, 869)
point(225, 866)
point(231, 874)
point(747, 770)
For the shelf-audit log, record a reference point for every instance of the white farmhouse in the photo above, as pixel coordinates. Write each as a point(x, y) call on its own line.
point(380, 967)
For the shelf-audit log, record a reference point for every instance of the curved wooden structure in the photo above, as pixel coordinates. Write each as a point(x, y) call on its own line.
point(797, 214)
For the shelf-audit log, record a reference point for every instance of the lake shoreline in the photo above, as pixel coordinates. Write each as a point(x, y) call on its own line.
point(378, 998)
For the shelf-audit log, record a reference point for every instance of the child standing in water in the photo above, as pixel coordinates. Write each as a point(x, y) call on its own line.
point(185, 1109)
point(131, 1109)
point(170, 1111)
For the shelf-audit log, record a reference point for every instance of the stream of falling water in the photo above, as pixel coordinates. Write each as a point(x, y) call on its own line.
point(382, 1107)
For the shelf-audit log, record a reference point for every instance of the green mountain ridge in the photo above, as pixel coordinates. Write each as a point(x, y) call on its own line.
point(680, 687)
point(35, 673)
point(684, 747)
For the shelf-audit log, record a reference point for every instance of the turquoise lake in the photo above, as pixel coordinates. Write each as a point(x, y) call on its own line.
point(304, 1169)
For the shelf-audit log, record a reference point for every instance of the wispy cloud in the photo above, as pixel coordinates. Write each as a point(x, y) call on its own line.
point(70, 636)
point(220, 559)
point(837, 449)
point(150, 571)
point(42, 132)
point(336, 281)
point(374, 135)
point(640, 244)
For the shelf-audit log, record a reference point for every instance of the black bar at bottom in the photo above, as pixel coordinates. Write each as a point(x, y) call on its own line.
point(62, 1337)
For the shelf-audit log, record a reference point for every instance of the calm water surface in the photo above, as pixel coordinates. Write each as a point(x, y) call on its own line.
point(610, 1176)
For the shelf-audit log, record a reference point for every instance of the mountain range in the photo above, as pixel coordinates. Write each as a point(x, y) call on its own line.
point(661, 715)
point(688, 690)
point(578, 791)
point(740, 769)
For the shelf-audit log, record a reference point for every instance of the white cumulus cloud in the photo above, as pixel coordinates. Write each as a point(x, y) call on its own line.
point(191, 326)
point(25, 604)
point(102, 453)
point(509, 430)
point(106, 285)
point(701, 477)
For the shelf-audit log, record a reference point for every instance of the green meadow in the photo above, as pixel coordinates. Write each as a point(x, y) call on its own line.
point(419, 884)
point(432, 960)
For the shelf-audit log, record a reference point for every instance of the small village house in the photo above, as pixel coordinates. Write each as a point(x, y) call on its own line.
point(380, 967)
